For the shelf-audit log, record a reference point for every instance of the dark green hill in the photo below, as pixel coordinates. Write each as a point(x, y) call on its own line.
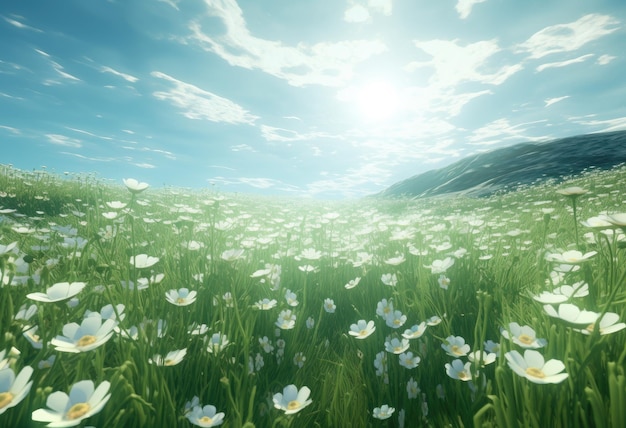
point(521, 164)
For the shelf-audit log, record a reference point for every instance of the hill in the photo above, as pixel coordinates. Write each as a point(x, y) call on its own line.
point(522, 164)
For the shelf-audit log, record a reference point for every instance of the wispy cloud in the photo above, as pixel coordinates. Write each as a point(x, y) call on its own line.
point(500, 130)
point(551, 101)
point(127, 77)
point(464, 7)
point(10, 129)
point(604, 125)
point(558, 64)
point(58, 68)
point(568, 37)
point(242, 148)
point(63, 140)
point(144, 165)
point(199, 104)
point(94, 159)
point(324, 63)
point(18, 24)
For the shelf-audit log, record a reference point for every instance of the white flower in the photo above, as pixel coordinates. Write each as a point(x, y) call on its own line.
point(608, 324)
point(286, 320)
point(291, 298)
point(265, 304)
point(292, 400)
point(206, 416)
point(69, 410)
point(396, 345)
point(383, 412)
point(232, 255)
point(266, 344)
point(353, 283)
point(570, 257)
point(443, 281)
point(572, 314)
point(384, 308)
point(58, 292)
point(482, 357)
point(415, 332)
point(455, 346)
point(395, 319)
point(135, 186)
point(408, 360)
point(310, 254)
point(13, 388)
point(458, 371)
point(533, 367)
point(171, 359)
point(523, 336)
point(395, 261)
point(217, 343)
point(389, 279)
point(362, 329)
point(143, 261)
point(329, 306)
point(440, 266)
point(181, 297)
point(90, 334)
point(412, 388)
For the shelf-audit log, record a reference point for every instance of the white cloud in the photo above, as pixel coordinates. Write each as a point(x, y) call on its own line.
point(501, 130)
point(563, 63)
point(272, 133)
point(324, 63)
point(144, 165)
point(605, 59)
point(454, 63)
point(21, 25)
point(356, 13)
point(242, 148)
point(568, 37)
point(551, 101)
point(464, 7)
point(199, 104)
point(11, 129)
point(127, 77)
point(606, 125)
point(173, 3)
point(62, 140)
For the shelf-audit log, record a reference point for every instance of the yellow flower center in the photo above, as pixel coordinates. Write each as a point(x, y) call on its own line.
point(293, 404)
point(5, 399)
point(535, 372)
point(396, 322)
point(363, 333)
point(397, 349)
point(86, 340)
point(525, 339)
point(591, 327)
point(168, 362)
point(77, 410)
point(205, 420)
point(463, 375)
point(180, 300)
point(456, 350)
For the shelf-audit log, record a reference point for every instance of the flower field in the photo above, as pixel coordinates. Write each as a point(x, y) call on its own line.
point(129, 306)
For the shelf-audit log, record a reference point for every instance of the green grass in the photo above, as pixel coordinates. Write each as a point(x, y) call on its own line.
point(60, 233)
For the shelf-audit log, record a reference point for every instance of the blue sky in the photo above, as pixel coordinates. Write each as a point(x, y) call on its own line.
point(313, 98)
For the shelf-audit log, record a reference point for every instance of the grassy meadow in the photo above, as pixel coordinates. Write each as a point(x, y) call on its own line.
point(180, 308)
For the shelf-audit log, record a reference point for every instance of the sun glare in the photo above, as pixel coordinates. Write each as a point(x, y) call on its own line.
point(377, 100)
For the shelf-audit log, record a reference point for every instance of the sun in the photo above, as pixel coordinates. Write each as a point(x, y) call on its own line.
point(376, 100)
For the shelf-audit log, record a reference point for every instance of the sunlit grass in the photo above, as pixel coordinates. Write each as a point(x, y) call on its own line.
point(229, 309)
